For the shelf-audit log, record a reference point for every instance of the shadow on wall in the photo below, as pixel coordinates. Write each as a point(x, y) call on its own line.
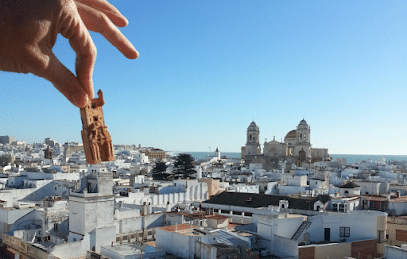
point(50, 189)
point(154, 220)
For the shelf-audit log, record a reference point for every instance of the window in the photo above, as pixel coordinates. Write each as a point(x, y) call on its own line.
point(344, 231)
point(334, 206)
point(342, 207)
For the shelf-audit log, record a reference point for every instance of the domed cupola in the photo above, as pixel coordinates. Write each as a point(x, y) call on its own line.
point(253, 126)
point(303, 124)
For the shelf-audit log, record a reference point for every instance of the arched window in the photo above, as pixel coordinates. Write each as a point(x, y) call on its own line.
point(250, 137)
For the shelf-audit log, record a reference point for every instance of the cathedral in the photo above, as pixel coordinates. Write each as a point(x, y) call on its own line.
point(296, 148)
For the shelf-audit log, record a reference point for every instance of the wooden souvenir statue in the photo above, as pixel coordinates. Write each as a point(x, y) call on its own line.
point(97, 141)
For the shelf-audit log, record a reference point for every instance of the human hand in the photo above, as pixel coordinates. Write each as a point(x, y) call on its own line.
point(29, 29)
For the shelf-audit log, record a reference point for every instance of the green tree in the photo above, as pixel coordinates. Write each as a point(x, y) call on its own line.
point(184, 165)
point(159, 171)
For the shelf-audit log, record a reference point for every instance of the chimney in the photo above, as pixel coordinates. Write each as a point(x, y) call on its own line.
point(144, 209)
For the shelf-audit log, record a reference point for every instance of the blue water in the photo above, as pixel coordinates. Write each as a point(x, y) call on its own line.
point(349, 158)
point(356, 158)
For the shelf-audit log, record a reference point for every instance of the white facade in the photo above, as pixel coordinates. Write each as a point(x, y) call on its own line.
point(253, 188)
point(295, 180)
point(373, 188)
point(353, 226)
point(394, 252)
point(344, 204)
point(345, 192)
point(182, 191)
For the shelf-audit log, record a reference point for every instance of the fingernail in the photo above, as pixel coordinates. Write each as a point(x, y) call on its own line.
point(125, 21)
point(80, 99)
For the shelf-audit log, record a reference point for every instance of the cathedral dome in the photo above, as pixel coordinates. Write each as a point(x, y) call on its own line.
point(291, 134)
point(253, 126)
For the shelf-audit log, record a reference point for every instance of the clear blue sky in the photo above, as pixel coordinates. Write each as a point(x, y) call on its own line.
point(208, 68)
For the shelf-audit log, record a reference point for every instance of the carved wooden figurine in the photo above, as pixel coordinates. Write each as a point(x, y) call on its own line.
point(97, 141)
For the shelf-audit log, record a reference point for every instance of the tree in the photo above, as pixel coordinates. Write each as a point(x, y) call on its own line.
point(184, 165)
point(159, 171)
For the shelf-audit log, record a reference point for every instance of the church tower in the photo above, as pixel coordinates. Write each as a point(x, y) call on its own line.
point(252, 142)
point(303, 133)
point(302, 140)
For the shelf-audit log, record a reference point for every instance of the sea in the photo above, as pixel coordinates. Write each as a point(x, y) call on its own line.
point(349, 158)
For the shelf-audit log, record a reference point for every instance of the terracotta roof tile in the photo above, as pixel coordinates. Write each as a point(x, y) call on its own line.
point(400, 199)
point(178, 227)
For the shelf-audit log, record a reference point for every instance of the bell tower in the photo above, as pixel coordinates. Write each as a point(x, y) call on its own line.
point(252, 140)
point(302, 140)
point(303, 133)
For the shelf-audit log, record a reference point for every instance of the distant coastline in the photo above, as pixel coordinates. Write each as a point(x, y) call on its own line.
point(349, 158)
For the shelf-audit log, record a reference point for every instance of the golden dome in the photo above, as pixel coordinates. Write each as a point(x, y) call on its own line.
point(291, 134)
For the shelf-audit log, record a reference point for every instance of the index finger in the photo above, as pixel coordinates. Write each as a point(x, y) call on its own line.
point(105, 7)
point(99, 22)
point(73, 28)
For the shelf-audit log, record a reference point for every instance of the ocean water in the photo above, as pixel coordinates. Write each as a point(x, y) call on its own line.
point(349, 158)
point(356, 158)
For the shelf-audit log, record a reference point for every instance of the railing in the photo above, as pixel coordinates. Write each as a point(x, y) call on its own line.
point(304, 225)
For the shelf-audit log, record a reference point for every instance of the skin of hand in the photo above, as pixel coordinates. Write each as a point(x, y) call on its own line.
point(29, 29)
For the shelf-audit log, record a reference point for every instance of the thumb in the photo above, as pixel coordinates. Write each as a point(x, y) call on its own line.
point(64, 80)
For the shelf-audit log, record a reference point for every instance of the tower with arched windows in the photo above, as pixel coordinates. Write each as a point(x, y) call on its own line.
point(252, 147)
point(302, 143)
